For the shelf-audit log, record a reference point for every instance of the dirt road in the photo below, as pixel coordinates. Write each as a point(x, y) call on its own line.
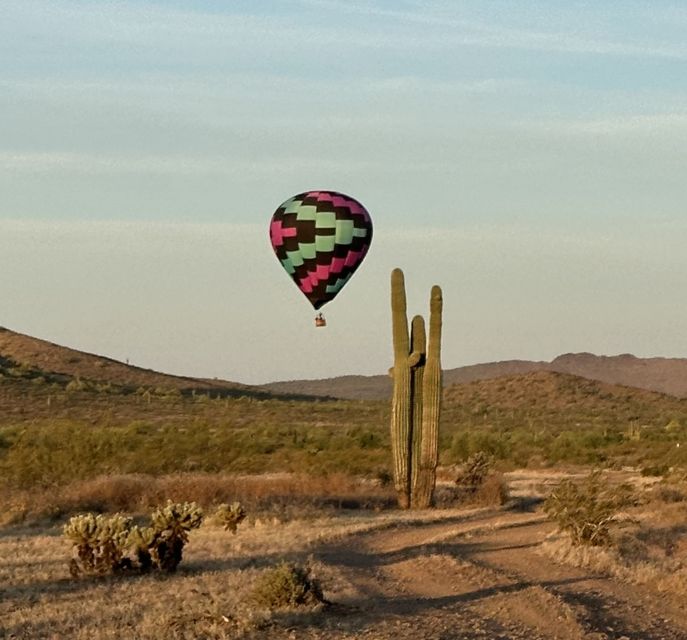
point(478, 576)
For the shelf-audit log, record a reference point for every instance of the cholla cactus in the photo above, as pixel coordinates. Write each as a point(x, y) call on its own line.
point(180, 517)
point(169, 531)
point(141, 539)
point(230, 516)
point(100, 542)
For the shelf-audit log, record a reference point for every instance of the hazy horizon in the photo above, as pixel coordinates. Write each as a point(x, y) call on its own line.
point(211, 299)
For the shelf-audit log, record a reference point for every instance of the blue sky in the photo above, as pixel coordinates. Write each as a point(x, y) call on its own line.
point(529, 156)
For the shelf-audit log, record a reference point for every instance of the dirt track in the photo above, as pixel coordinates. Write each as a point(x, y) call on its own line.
point(478, 577)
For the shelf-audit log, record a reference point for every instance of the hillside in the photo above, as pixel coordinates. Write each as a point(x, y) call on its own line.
point(24, 357)
point(555, 400)
point(664, 375)
point(546, 417)
point(71, 420)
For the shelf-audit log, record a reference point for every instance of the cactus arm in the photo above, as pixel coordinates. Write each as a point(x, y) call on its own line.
point(431, 407)
point(399, 320)
point(415, 359)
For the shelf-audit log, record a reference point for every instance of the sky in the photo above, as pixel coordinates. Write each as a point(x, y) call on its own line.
point(527, 156)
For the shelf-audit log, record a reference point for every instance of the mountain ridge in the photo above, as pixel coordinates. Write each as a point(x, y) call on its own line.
point(660, 374)
point(37, 357)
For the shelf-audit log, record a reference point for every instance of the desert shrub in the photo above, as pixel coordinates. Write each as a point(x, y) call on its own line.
point(474, 472)
point(230, 516)
point(287, 585)
point(475, 484)
point(468, 443)
point(586, 511)
point(492, 492)
point(76, 385)
point(100, 543)
point(111, 493)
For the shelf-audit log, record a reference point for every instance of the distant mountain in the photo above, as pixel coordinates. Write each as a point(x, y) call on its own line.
point(664, 375)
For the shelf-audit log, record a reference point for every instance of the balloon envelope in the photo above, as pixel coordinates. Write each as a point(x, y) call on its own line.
point(320, 238)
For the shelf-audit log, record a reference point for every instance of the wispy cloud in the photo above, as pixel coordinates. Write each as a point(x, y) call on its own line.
point(98, 164)
point(452, 30)
point(673, 125)
point(151, 25)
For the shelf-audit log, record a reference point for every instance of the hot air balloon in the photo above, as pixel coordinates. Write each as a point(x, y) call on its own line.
point(320, 238)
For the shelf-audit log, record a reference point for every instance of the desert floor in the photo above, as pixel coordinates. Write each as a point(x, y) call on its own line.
point(470, 573)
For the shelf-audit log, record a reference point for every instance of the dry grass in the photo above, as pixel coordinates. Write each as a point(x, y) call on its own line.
point(204, 599)
point(283, 496)
point(209, 596)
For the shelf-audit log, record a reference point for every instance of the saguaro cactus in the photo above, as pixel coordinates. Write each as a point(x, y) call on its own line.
point(416, 398)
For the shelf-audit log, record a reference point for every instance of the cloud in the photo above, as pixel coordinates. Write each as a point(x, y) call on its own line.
point(670, 124)
point(109, 164)
point(482, 34)
point(153, 26)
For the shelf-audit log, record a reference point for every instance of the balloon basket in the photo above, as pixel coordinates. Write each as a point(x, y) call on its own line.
point(320, 321)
